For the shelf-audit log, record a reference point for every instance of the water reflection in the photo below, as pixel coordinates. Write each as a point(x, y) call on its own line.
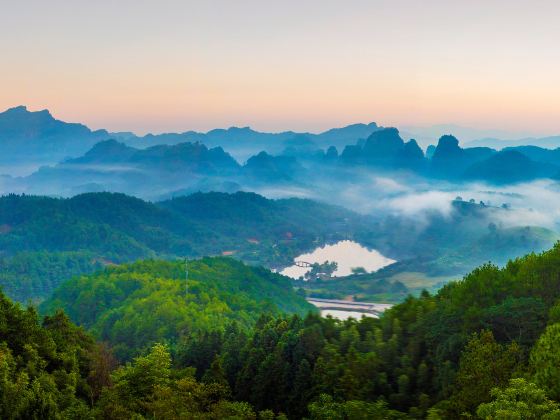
point(348, 255)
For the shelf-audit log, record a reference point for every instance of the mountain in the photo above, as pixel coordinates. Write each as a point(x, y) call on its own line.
point(268, 169)
point(385, 148)
point(504, 167)
point(449, 160)
point(30, 139)
point(340, 137)
point(195, 158)
point(44, 241)
point(551, 142)
point(169, 170)
point(469, 136)
point(37, 138)
point(114, 166)
point(509, 166)
point(108, 151)
point(242, 142)
point(538, 154)
point(486, 345)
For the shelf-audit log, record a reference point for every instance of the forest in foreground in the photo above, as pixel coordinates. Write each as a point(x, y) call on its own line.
point(484, 347)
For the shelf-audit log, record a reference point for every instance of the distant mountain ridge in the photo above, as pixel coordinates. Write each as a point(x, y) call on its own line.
point(550, 142)
point(169, 170)
point(114, 166)
point(239, 140)
point(37, 136)
point(155, 166)
point(385, 150)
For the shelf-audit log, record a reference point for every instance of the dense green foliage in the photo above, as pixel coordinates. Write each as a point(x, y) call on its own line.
point(520, 400)
point(33, 275)
point(439, 356)
point(133, 306)
point(484, 346)
point(44, 369)
point(367, 287)
point(54, 370)
point(44, 241)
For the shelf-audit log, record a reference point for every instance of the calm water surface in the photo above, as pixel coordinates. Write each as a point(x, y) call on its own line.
point(348, 255)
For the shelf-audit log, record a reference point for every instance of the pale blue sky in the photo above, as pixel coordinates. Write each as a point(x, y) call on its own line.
point(307, 65)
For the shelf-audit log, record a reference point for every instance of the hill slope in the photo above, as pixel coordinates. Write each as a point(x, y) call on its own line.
point(133, 306)
point(44, 241)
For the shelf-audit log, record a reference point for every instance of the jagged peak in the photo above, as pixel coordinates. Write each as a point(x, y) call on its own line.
point(23, 110)
point(448, 140)
point(19, 108)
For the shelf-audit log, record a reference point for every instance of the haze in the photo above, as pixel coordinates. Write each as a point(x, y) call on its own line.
point(304, 65)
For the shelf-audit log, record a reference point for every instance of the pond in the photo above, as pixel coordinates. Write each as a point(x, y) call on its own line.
point(348, 255)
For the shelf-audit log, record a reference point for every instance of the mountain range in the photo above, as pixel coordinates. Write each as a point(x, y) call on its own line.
point(76, 159)
point(168, 170)
point(37, 138)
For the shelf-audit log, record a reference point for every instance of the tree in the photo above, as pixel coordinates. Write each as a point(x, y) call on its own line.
point(215, 373)
point(516, 319)
point(359, 270)
point(484, 365)
point(322, 271)
point(325, 408)
point(136, 383)
point(520, 400)
point(102, 364)
point(545, 361)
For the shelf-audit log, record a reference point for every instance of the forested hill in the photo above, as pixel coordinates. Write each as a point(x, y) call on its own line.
point(51, 369)
point(46, 240)
point(134, 306)
point(484, 347)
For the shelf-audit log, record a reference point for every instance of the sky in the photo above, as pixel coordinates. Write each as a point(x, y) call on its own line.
point(308, 65)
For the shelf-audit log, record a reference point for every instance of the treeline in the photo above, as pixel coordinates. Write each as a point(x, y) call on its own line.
point(486, 346)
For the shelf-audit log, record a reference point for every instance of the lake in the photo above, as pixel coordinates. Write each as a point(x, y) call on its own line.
point(348, 255)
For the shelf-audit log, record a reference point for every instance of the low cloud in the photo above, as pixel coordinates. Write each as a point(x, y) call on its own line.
point(414, 203)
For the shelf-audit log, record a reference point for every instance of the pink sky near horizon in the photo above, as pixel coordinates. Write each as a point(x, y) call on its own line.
point(305, 65)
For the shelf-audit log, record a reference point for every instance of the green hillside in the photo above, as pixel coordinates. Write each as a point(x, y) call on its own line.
point(44, 241)
point(132, 306)
point(483, 347)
